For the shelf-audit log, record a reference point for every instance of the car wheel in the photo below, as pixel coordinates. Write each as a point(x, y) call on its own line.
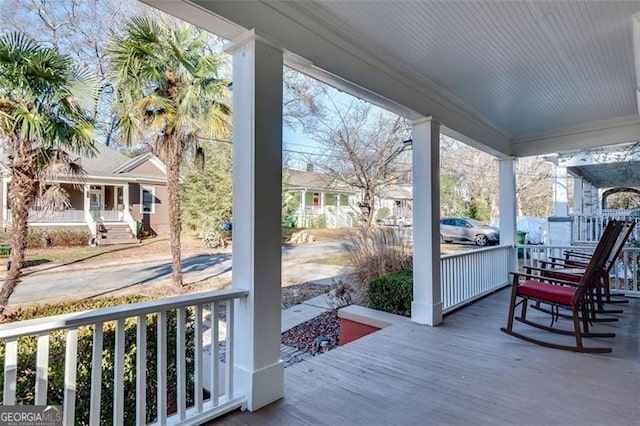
point(481, 240)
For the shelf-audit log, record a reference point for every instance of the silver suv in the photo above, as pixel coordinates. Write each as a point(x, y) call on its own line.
point(465, 229)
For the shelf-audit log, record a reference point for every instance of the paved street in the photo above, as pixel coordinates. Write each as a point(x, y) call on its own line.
point(48, 283)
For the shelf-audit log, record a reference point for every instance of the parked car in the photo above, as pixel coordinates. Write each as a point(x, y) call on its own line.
point(394, 220)
point(466, 229)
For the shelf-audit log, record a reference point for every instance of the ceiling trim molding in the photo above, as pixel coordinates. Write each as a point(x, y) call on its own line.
point(589, 135)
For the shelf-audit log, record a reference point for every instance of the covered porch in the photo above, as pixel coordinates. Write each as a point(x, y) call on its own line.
point(463, 372)
point(507, 89)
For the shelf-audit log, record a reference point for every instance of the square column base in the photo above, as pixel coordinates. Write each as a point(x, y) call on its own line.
point(426, 314)
point(261, 387)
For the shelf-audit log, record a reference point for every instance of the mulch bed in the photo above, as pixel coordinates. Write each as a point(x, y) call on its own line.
point(308, 335)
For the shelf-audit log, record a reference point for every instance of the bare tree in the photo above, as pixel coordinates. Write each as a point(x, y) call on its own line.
point(80, 29)
point(359, 144)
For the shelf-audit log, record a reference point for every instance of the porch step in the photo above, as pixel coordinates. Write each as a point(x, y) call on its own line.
point(115, 234)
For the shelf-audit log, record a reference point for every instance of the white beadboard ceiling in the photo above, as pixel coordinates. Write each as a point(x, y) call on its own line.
point(521, 77)
point(526, 66)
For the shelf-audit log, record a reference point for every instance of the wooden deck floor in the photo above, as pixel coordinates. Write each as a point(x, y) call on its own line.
point(464, 372)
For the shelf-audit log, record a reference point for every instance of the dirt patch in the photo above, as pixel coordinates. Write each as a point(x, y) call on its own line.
point(296, 294)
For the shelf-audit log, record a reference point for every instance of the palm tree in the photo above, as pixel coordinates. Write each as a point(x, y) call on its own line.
point(166, 89)
point(45, 102)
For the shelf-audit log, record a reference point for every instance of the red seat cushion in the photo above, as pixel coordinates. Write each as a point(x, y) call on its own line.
point(547, 292)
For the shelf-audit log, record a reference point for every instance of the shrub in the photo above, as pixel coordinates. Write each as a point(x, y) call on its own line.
point(27, 355)
point(392, 293)
point(213, 239)
point(318, 222)
point(374, 252)
point(42, 238)
point(383, 213)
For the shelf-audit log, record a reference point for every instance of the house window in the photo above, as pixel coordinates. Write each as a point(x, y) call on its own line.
point(147, 200)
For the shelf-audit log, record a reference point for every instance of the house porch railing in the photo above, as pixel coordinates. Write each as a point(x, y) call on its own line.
point(472, 274)
point(202, 363)
point(63, 216)
point(107, 215)
point(587, 228)
point(624, 276)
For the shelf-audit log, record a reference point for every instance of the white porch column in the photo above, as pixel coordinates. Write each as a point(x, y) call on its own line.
point(578, 192)
point(426, 307)
point(257, 189)
point(560, 198)
point(125, 197)
point(587, 201)
point(508, 212)
point(560, 222)
point(87, 201)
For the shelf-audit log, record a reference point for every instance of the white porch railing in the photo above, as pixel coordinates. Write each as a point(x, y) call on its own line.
point(108, 215)
point(344, 219)
point(623, 277)
point(587, 228)
point(187, 313)
point(64, 216)
point(472, 274)
point(131, 222)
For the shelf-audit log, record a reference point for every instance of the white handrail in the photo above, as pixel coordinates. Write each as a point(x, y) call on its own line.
point(222, 399)
point(472, 274)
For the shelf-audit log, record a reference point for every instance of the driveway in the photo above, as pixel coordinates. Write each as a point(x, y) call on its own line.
point(56, 282)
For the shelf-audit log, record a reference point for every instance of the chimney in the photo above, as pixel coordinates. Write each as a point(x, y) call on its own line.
point(310, 167)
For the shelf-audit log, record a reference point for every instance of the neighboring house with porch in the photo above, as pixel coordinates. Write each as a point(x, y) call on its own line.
point(115, 197)
point(397, 198)
point(319, 198)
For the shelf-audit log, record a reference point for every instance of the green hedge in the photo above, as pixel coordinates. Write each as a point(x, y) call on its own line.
point(392, 293)
point(27, 361)
point(42, 238)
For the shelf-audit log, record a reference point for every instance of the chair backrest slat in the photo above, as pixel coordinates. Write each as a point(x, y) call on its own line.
point(601, 255)
point(627, 228)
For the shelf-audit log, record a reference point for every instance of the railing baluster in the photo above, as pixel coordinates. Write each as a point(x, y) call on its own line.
point(181, 366)
point(42, 369)
point(228, 347)
point(96, 374)
point(118, 374)
point(70, 368)
point(141, 371)
point(215, 352)
point(161, 374)
point(197, 359)
point(10, 372)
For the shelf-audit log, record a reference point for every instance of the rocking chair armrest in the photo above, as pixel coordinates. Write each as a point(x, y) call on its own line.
point(517, 275)
point(565, 261)
point(579, 254)
point(562, 264)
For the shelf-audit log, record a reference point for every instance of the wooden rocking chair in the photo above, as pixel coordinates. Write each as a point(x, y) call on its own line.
point(572, 267)
point(563, 294)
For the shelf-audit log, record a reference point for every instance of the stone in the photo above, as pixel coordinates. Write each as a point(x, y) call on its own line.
point(302, 237)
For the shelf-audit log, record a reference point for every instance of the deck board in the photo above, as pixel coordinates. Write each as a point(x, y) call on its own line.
point(463, 372)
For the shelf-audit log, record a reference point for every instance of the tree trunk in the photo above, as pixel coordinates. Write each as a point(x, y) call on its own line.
point(21, 193)
point(173, 189)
